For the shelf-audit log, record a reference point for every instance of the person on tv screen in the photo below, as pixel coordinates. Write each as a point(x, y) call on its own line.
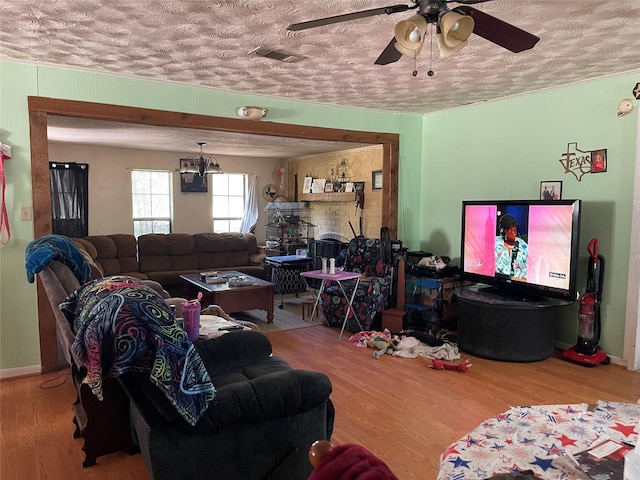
point(511, 251)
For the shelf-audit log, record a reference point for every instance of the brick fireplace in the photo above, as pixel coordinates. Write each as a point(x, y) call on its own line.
point(332, 217)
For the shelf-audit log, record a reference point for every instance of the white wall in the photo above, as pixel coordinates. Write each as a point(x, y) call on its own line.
point(110, 168)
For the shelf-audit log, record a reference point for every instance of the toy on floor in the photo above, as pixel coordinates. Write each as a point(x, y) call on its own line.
point(438, 364)
point(382, 344)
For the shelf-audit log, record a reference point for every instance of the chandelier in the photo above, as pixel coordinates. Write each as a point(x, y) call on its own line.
point(200, 165)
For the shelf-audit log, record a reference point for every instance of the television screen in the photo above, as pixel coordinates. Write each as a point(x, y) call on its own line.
point(525, 247)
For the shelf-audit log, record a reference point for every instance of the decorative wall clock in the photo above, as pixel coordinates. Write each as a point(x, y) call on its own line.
point(270, 192)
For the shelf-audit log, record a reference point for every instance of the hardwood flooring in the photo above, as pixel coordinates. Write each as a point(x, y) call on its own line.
point(402, 410)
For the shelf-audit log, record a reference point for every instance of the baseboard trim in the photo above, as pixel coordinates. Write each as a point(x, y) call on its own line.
point(6, 373)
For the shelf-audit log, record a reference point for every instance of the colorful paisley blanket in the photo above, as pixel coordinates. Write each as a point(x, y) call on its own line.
point(122, 325)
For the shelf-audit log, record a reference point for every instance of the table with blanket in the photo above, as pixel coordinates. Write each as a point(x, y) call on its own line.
point(540, 439)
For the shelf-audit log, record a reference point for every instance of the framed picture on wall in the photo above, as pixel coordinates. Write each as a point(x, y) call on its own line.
point(551, 190)
point(192, 182)
point(376, 180)
point(306, 186)
point(599, 161)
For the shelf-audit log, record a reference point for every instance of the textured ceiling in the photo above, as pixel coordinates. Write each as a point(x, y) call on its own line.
point(184, 140)
point(208, 43)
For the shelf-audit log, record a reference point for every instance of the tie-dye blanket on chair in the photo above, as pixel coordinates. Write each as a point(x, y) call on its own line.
point(122, 325)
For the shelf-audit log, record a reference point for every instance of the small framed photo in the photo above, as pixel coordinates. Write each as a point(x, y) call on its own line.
point(358, 186)
point(306, 186)
point(328, 187)
point(376, 180)
point(317, 186)
point(599, 161)
point(348, 187)
point(551, 190)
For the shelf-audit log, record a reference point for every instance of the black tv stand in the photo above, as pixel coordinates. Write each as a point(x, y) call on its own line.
point(499, 326)
point(510, 295)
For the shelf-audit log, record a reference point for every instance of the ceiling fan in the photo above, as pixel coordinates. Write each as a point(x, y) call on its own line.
point(453, 28)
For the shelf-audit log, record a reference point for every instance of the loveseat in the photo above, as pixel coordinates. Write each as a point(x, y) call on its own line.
point(164, 257)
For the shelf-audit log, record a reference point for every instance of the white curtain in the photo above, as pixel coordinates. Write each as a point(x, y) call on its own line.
point(250, 216)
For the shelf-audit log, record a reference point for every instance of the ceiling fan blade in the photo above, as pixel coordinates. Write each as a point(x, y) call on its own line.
point(499, 32)
point(348, 17)
point(468, 2)
point(389, 55)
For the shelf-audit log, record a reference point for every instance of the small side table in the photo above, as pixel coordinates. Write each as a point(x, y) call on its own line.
point(286, 274)
point(337, 277)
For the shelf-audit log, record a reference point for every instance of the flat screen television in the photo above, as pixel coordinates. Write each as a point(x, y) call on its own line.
point(526, 248)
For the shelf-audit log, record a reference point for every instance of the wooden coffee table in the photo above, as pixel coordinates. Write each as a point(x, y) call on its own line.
point(259, 294)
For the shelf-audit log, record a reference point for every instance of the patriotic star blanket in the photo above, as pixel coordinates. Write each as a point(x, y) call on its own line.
point(531, 437)
point(122, 325)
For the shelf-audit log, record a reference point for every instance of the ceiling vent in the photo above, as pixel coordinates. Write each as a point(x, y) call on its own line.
point(276, 55)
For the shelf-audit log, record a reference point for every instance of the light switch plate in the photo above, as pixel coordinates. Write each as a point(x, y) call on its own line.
point(25, 213)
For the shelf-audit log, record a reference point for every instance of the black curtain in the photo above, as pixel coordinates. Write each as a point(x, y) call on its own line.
point(69, 198)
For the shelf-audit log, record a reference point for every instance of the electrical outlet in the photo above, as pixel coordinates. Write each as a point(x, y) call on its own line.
point(25, 213)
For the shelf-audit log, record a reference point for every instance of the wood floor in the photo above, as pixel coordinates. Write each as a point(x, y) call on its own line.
point(402, 410)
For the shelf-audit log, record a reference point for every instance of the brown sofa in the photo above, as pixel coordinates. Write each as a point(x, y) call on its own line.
point(111, 255)
point(164, 257)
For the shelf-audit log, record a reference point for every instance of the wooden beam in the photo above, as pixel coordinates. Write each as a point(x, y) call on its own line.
point(40, 107)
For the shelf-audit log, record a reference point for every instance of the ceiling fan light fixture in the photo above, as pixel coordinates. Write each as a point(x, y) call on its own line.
point(409, 35)
point(415, 36)
point(446, 51)
point(412, 53)
point(456, 29)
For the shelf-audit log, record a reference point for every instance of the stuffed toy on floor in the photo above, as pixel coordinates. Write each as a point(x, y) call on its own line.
point(382, 345)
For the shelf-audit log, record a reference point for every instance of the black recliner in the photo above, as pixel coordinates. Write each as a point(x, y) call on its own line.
point(260, 424)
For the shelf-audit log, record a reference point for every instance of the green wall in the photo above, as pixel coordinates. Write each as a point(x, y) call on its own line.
point(500, 149)
point(503, 149)
point(19, 343)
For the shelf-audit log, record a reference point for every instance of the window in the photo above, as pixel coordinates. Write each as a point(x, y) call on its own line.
point(229, 192)
point(151, 198)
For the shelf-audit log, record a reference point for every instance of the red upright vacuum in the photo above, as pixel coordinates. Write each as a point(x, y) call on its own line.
point(587, 351)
